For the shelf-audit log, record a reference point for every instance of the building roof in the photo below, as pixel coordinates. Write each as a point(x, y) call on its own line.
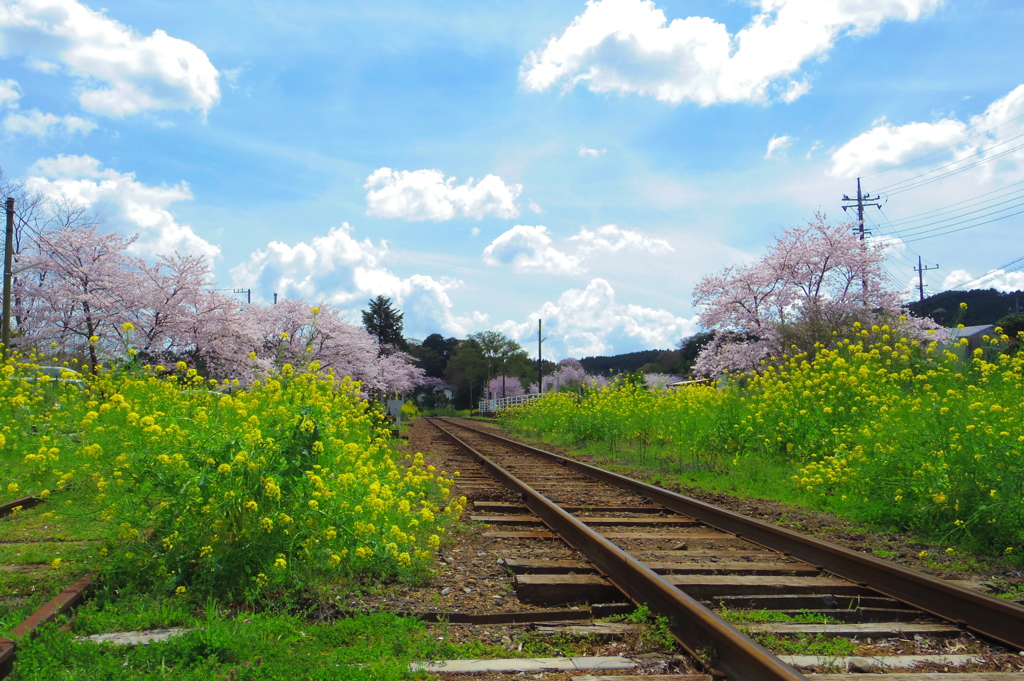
point(969, 331)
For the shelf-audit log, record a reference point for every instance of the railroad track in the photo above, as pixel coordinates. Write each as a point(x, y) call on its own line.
point(697, 565)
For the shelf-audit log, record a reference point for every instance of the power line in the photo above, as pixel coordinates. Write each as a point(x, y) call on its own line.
point(954, 231)
point(916, 217)
point(895, 188)
point(948, 222)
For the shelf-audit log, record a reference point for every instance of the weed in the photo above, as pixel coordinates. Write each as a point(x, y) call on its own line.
point(807, 644)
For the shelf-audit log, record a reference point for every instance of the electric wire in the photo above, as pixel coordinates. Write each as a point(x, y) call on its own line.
point(896, 188)
point(985, 205)
point(914, 217)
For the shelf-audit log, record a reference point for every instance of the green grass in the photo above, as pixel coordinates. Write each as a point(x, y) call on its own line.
point(33, 538)
point(242, 645)
point(805, 617)
point(816, 644)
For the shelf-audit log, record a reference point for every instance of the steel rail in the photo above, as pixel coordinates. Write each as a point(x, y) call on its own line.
point(710, 639)
point(980, 613)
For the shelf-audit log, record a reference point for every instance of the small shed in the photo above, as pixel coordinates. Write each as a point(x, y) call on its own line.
point(975, 335)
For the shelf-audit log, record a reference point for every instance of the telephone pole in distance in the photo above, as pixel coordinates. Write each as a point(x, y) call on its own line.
point(920, 276)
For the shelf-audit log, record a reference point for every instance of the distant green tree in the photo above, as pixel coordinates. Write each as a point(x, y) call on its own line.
point(467, 372)
point(384, 323)
point(497, 349)
point(689, 349)
point(444, 347)
point(1012, 325)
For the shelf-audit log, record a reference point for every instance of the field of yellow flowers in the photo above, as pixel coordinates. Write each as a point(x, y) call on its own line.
point(199, 488)
point(924, 437)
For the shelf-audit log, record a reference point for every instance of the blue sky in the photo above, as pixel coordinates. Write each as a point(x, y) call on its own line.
point(490, 164)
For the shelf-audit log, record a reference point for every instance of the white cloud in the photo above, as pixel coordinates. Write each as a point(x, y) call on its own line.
point(591, 321)
point(628, 46)
point(587, 152)
point(428, 195)
point(777, 144)
point(888, 145)
point(123, 201)
point(530, 248)
point(796, 90)
point(119, 72)
point(343, 270)
point(35, 122)
point(612, 239)
point(10, 92)
point(534, 207)
point(814, 148)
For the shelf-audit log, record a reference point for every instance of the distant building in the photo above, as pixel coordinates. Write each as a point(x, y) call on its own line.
point(975, 336)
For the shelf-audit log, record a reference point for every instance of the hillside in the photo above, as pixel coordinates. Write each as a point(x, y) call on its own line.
point(620, 364)
point(984, 306)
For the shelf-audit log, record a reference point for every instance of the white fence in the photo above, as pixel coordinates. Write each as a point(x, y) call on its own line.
point(506, 402)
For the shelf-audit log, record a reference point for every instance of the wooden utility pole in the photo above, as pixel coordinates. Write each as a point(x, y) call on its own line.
point(540, 362)
point(861, 198)
point(920, 278)
point(5, 338)
point(860, 203)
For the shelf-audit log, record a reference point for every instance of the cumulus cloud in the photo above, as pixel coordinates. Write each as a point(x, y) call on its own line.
point(891, 145)
point(341, 269)
point(628, 46)
point(796, 90)
point(612, 239)
point(888, 144)
point(10, 92)
point(428, 195)
point(119, 72)
point(123, 200)
point(531, 249)
point(587, 152)
point(777, 144)
point(591, 321)
point(40, 124)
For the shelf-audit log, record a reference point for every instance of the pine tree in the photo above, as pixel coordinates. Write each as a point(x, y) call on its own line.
point(384, 323)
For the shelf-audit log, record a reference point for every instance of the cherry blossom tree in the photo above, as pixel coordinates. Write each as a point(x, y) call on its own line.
point(292, 332)
point(85, 294)
point(814, 282)
point(76, 293)
point(505, 386)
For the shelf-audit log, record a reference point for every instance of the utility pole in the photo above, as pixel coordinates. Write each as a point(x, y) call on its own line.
point(920, 276)
point(8, 277)
point(540, 362)
point(860, 203)
point(861, 198)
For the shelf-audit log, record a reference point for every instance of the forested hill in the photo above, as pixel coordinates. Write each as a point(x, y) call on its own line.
point(620, 364)
point(984, 306)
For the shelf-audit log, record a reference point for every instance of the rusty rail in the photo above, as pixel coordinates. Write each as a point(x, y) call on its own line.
point(706, 636)
point(982, 614)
